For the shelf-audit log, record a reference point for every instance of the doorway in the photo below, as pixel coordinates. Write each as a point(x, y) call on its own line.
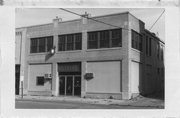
point(70, 85)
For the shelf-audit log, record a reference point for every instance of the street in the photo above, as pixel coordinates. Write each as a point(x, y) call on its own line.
point(28, 104)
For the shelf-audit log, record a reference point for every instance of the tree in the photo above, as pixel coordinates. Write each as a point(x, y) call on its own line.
point(1, 2)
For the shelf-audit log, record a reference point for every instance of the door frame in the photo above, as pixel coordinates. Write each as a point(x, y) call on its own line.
point(73, 78)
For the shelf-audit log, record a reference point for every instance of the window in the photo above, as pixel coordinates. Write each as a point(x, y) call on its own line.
point(41, 44)
point(162, 53)
point(34, 45)
point(136, 40)
point(78, 41)
point(148, 46)
point(105, 39)
point(70, 42)
point(49, 42)
point(158, 50)
point(61, 42)
point(40, 81)
point(92, 40)
point(116, 38)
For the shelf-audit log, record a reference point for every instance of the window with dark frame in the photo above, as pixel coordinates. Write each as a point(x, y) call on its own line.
point(147, 40)
point(40, 81)
point(69, 42)
point(49, 43)
point(61, 43)
point(158, 50)
point(136, 40)
point(92, 40)
point(162, 53)
point(78, 41)
point(41, 44)
point(34, 45)
point(105, 39)
point(116, 37)
point(148, 46)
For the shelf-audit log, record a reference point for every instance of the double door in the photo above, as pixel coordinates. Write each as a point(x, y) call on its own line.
point(70, 85)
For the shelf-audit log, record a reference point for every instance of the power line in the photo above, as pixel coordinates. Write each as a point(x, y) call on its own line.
point(156, 20)
point(91, 18)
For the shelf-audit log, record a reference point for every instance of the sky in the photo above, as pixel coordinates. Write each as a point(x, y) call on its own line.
point(36, 16)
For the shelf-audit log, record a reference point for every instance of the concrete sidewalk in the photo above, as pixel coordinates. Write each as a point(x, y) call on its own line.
point(138, 101)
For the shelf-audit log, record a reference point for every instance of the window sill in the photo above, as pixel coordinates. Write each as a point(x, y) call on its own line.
point(42, 53)
point(70, 51)
point(103, 49)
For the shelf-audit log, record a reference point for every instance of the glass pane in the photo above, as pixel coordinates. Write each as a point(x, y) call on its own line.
point(62, 85)
point(42, 45)
point(92, 40)
point(104, 39)
point(33, 45)
point(77, 85)
point(69, 85)
point(62, 43)
point(40, 81)
point(49, 43)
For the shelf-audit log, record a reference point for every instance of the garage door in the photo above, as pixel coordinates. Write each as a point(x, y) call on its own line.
point(107, 78)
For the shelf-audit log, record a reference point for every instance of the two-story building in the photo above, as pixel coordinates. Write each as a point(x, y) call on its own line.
point(114, 58)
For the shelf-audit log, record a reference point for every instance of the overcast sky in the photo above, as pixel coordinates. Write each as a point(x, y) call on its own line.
point(36, 16)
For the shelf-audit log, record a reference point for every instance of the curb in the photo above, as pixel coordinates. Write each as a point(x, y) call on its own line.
point(88, 102)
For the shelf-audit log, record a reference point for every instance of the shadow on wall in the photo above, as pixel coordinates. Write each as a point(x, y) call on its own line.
point(48, 56)
point(150, 83)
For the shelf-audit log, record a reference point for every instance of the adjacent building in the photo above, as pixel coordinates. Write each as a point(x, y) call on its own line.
point(114, 58)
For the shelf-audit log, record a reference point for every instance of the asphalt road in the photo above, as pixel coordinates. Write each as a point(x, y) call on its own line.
point(68, 105)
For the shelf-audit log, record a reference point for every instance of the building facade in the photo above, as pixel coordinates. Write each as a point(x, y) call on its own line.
point(86, 58)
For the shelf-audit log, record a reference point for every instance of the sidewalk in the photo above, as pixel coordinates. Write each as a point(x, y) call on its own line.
point(138, 101)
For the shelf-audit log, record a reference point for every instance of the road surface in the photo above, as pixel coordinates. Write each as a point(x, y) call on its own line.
point(28, 104)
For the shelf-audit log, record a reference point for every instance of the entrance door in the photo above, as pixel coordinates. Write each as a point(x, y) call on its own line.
point(62, 85)
point(77, 85)
point(70, 85)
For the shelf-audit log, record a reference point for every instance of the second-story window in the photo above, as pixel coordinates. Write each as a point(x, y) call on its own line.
point(78, 41)
point(92, 40)
point(116, 38)
point(41, 44)
point(148, 46)
point(69, 42)
point(105, 39)
point(136, 40)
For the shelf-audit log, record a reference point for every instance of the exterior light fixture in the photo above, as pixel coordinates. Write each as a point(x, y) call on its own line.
point(52, 51)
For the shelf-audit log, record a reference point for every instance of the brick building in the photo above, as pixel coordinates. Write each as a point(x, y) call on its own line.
point(86, 58)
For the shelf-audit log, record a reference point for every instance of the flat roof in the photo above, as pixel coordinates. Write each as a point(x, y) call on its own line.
point(106, 15)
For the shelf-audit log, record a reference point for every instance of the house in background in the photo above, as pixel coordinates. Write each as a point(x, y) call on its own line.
point(86, 58)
